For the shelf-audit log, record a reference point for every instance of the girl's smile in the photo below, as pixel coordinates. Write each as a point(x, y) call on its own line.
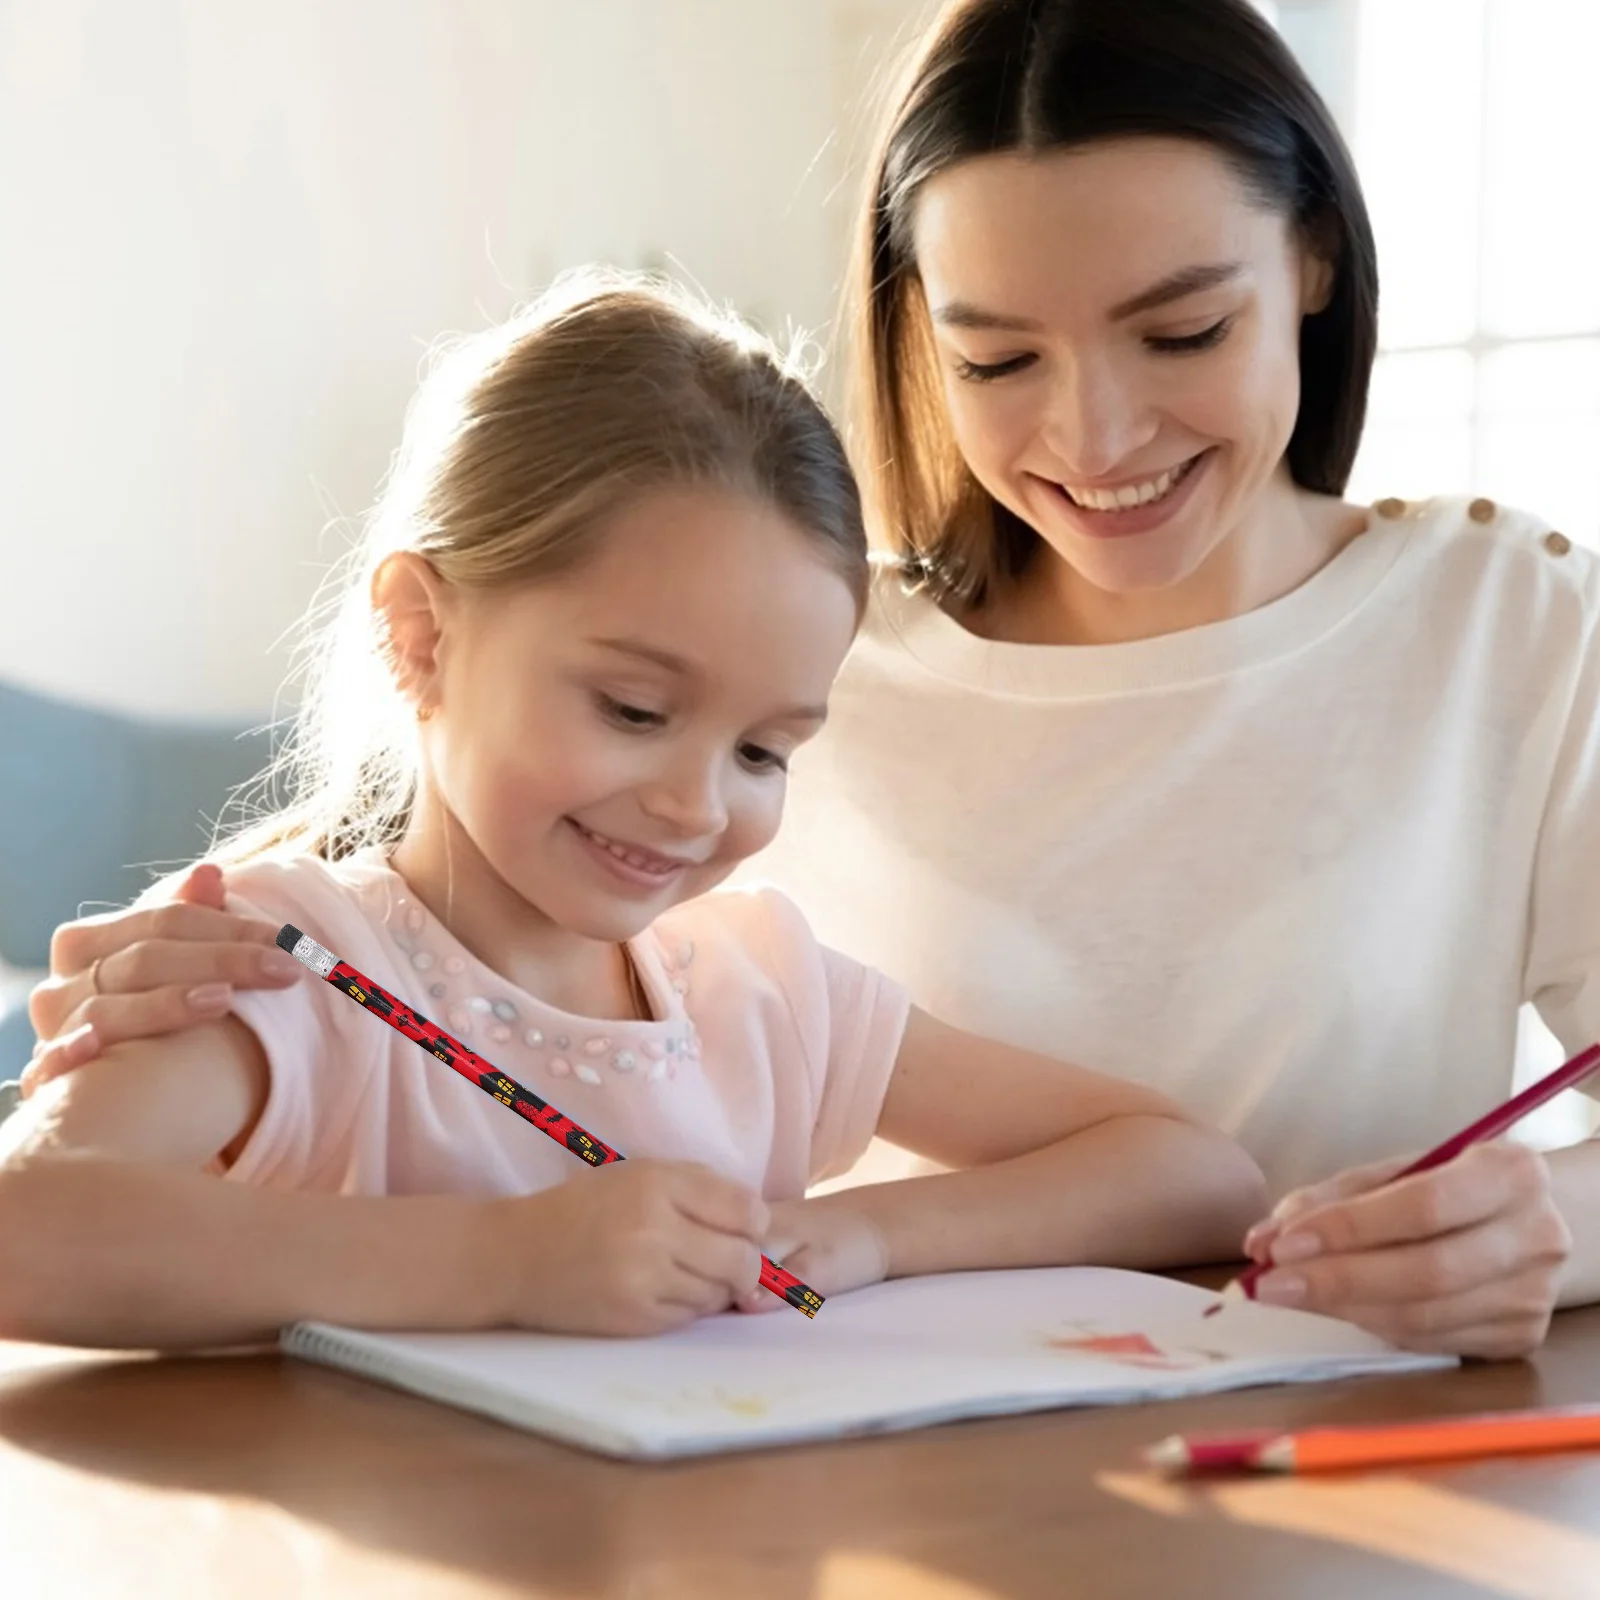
point(643, 872)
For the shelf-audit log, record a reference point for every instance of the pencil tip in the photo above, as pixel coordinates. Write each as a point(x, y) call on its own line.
point(1231, 1296)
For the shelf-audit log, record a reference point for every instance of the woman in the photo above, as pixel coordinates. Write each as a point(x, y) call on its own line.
point(1235, 788)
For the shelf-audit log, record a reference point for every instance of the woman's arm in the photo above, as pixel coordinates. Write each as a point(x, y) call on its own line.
point(1474, 1256)
point(1058, 1165)
point(111, 1235)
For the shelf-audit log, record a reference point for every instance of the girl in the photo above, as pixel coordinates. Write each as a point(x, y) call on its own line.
point(1154, 750)
point(599, 610)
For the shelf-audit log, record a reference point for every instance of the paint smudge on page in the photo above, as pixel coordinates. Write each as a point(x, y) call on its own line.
point(1130, 1349)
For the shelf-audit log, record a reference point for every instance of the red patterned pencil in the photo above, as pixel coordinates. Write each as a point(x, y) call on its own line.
point(488, 1077)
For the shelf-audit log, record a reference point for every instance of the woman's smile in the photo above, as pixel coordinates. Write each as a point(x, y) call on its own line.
point(1111, 514)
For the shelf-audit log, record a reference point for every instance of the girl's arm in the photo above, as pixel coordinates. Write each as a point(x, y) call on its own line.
point(110, 1234)
point(1059, 1165)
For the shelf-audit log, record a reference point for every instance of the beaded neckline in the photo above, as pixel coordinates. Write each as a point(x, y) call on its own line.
point(518, 1030)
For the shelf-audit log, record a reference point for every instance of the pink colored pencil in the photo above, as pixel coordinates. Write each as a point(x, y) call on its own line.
point(1501, 1120)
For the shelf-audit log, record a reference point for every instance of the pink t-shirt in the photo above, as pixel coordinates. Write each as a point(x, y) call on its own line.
point(768, 1063)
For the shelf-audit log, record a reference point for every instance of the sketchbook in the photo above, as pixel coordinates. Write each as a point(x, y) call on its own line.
point(894, 1356)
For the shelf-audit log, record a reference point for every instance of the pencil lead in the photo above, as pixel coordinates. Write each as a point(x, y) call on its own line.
point(1231, 1296)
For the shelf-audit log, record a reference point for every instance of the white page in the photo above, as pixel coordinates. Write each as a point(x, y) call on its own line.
point(896, 1355)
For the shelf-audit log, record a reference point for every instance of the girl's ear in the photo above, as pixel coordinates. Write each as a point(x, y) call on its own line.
point(408, 604)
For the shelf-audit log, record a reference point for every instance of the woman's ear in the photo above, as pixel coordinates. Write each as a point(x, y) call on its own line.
point(1319, 266)
point(408, 604)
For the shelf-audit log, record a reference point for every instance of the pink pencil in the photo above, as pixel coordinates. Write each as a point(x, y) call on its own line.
point(1500, 1120)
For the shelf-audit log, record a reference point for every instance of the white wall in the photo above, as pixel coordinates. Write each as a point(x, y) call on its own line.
point(226, 232)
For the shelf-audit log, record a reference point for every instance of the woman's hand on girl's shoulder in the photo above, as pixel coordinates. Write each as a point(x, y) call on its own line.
point(152, 970)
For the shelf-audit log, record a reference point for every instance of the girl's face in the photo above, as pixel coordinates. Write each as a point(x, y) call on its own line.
point(615, 740)
point(1118, 328)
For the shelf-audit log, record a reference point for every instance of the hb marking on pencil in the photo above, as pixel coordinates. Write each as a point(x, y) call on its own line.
point(488, 1077)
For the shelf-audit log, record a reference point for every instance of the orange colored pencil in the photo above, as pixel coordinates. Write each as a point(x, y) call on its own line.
point(1385, 1444)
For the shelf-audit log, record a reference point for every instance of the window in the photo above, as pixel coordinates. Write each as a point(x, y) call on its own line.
point(1476, 128)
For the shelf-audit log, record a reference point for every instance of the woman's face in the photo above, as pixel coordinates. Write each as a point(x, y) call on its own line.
point(1118, 328)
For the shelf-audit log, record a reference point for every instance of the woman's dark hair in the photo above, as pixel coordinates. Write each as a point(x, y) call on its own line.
point(1039, 75)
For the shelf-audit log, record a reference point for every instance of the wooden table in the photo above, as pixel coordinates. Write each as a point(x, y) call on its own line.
point(244, 1476)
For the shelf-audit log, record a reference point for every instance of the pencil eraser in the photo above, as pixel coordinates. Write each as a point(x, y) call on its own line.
point(306, 950)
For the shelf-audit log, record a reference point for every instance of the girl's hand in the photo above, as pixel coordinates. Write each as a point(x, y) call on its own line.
point(160, 969)
point(827, 1243)
point(633, 1249)
point(1466, 1258)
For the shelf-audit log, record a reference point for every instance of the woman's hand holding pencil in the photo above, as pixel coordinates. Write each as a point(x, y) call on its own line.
point(1460, 1250)
point(1465, 1257)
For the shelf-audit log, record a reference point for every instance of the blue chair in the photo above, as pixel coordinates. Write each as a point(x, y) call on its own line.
point(93, 806)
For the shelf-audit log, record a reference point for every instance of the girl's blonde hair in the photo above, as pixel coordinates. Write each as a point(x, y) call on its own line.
point(521, 442)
